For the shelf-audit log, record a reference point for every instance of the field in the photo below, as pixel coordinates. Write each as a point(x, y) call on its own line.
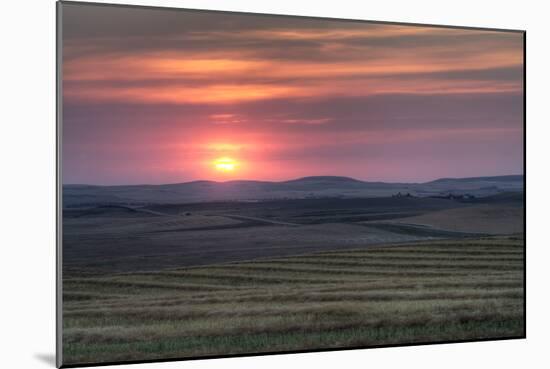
point(124, 239)
point(420, 292)
point(233, 277)
point(481, 219)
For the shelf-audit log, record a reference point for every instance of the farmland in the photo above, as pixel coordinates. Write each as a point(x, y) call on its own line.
point(177, 280)
point(419, 292)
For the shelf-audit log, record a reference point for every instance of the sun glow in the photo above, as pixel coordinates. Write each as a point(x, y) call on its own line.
point(225, 164)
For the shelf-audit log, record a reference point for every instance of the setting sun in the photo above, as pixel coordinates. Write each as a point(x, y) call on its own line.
point(225, 164)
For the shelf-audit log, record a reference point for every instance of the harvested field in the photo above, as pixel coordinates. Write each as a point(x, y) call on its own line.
point(419, 292)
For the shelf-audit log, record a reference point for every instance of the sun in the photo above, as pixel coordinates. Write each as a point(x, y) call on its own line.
point(225, 164)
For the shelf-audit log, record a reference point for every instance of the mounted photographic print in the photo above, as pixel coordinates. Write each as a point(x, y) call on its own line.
point(240, 184)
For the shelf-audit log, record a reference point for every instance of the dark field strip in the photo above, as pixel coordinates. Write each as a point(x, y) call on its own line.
point(258, 276)
point(417, 257)
point(241, 278)
point(424, 292)
point(384, 263)
point(84, 283)
point(324, 272)
point(430, 250)
point(495, 244)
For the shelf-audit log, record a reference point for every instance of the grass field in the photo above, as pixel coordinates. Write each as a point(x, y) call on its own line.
point(419, 292)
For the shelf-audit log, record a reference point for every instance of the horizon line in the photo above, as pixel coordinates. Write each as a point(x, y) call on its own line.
point(289, 180)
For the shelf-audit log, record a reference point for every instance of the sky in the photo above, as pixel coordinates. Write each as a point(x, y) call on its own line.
point(155, 96)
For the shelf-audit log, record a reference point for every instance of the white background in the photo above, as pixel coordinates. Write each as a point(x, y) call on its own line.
point(27, 172)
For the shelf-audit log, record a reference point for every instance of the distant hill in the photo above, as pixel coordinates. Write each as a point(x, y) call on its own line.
point(509, 178)
point(307, 187)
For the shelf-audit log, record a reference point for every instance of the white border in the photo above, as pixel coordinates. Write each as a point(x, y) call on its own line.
point(27, 156)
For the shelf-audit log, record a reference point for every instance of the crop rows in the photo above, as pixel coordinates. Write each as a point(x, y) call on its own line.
point(423, 292)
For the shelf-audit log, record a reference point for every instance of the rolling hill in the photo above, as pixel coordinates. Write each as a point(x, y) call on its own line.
point(307, 187)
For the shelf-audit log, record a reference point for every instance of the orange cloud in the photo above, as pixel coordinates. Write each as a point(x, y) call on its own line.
point(223, 94)
point(227, 77)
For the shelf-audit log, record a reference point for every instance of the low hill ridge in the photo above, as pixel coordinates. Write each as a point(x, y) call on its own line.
point(306, 187)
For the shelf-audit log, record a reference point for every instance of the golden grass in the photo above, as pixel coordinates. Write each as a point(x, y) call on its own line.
point(424, 292)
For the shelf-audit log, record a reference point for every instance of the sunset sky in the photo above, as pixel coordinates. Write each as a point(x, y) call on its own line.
point(160, 96)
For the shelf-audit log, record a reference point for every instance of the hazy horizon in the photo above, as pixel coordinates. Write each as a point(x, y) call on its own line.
point(283, 180)
point(154, 96)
